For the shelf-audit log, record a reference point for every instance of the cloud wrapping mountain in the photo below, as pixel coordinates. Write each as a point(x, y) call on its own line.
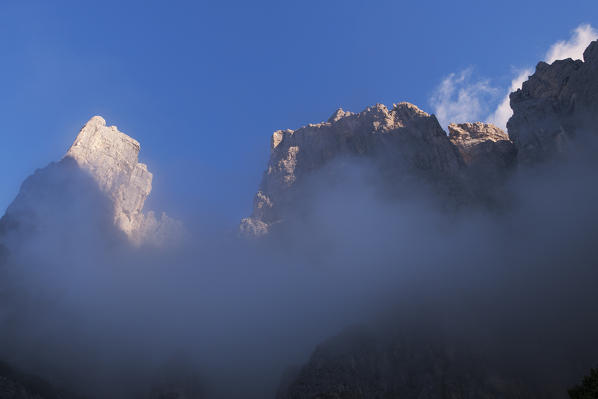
point(470, 257)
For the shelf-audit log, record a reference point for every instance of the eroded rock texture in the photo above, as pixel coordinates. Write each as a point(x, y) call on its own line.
point(558, 103)
point(111, 157)
point(404, 142)
point(482, 144)
point(99, 178)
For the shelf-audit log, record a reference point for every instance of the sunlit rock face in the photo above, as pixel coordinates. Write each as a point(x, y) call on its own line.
point(489, 156)
point(481, 143)
point(111, 157)
point(557, 104)
point(99, 184)
point(402, 141)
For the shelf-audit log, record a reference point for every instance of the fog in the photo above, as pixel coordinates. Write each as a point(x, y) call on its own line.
point(224, 316)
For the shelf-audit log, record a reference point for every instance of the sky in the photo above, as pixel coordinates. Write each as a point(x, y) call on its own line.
point(202, 85)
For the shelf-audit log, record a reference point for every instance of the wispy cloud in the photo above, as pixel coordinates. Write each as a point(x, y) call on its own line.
point(574, 47)
point(503, 112)
point(459, 99)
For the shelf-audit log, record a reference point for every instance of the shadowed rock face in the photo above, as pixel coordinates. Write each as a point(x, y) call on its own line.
point(16, 385)
point(558, 103)
point(555, 113)
point(62, 203)
point(360, 364)
point(403, 141)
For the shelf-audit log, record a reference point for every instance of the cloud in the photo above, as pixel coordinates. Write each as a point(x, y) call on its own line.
point(503, 112)
point(574, 47)
point(458, 98)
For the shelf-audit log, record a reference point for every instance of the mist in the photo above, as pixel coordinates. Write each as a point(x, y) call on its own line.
point(512, 281)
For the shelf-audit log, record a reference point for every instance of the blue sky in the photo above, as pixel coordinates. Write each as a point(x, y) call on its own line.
point(202, 85)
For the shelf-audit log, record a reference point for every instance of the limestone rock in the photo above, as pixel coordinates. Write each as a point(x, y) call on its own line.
point(482, 143)
point(99, 175)
point(403, 141)
point(558, 103)
point(111, 157)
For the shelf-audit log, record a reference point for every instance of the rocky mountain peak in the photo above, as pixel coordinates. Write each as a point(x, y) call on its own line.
point(111, 158)
point(403, 139)
point(338, 114)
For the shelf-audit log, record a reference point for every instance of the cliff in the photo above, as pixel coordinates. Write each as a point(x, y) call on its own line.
point(403, 141)
point(555, 106)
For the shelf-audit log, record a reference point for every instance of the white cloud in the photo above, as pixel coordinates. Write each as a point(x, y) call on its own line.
point(503, 112)
point(457, 98)
point(574, 47)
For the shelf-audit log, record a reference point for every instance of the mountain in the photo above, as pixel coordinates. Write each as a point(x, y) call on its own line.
point(555, 106)
point(92, 201)
point(406, 146)
point(404, 143)
point(550, 147)
point(98, 178)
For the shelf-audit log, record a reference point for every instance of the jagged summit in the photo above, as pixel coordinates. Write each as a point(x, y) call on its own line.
point(99, 178)
point(403, 139)
point(111, 157)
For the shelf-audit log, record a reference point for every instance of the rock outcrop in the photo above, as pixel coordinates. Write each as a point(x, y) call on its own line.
point(403, 141)
point(103, 157)
point(483, 145)
point(558, 103)
point(489, 156)
point(111, 157)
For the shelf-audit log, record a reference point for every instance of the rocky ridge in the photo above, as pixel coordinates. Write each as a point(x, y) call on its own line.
point(404, 141)
point(555, 112)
